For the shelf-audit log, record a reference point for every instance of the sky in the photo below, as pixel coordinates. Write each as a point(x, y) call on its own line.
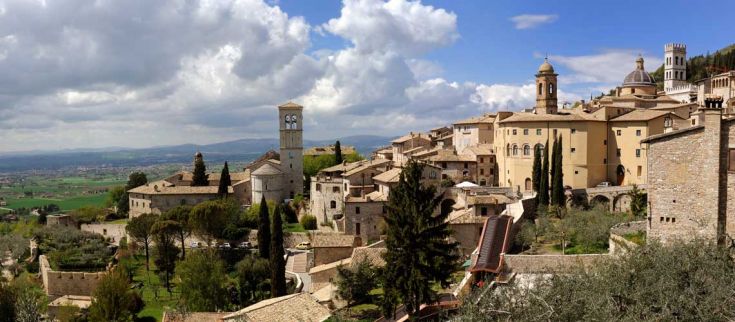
point(140, 73)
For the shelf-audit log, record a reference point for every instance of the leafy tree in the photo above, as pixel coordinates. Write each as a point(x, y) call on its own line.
point(30, 301)
point(42, 218)
point(264, 231)
point(113, 299)
point(557, 176)
point(253, 274)
point(88, 215)
point(203, 282)
point(278, 264)
point(526, 235)
point(224, 181)
point(536, 174)
point(308, 222)
point(337, 153)
point(200, 177)
point(543, 195)
point(679, 282)
point(416, 243)
point(181, 215)
point(165, 234)
point(289, 213)
point(7, 303)
point(140, 229)
point(114, 196)
point(135, 179)
point(355, 283)
point(638, 202)
point(210, 217)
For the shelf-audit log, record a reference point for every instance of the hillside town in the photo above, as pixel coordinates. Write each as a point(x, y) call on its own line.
point(443, 223)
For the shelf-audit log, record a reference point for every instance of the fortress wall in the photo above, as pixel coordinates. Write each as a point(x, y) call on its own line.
point(57, 283)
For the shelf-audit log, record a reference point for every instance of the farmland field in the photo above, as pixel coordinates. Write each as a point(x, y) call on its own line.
point(64, 204)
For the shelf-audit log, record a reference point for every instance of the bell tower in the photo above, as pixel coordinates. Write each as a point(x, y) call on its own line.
point(290, 117)
point(546, 89)
point(675, 66)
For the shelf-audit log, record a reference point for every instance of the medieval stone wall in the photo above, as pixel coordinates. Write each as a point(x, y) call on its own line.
point(57, 283)
point(538, 264)
point(112, 231)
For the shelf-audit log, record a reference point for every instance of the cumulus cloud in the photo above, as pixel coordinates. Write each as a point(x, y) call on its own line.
point(609, 66)
point(515, 97)
point(528, 21)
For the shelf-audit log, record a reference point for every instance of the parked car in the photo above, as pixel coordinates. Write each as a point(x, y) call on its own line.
point(245, 245)
point(194, 244)
point(225, 245)
point(303, 245)
point(604, 184)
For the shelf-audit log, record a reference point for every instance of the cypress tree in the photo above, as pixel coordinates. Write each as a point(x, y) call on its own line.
point(543, 193)
point(200, 172)
point(536, 175)
point(557, 189)
point(552, 169)
point(338, 153)
point(278, 264)
point(224, 182)
point(264, 231)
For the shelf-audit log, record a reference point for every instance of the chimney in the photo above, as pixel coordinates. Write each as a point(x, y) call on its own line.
point(710, 164)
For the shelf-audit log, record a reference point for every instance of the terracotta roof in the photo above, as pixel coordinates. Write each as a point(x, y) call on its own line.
point(373, 255)
point(267, 169)
point(329, 266)
point(465, 216)
point(449, 156)
point(193, 317)
point(166, 188)
point(364, 165)
point(334, 240)
point(486, 118)
point(641, 115)
point(328, 150)
point(495, 240)
point(561, 117)
point(375, 196)
point(488, 200)
point(270, 155)
point(416, 149)
point(673, 133)
point(410, 136)
point(482, 149)
point(427, 153)
point(291, 105)
point(389, 176)
point(300, 307)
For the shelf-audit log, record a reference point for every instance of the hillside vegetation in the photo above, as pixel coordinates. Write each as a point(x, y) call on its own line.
point(697, 66)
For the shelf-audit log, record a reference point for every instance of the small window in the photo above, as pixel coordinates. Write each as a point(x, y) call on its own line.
point(333, 204)
point(515, 150)
point(466, 165)
point(618, 152)
point(318, 187)
point(538, 131)
point(731, 162)
point(482, 172)
point(357, 228)
point(637, 153)
point(604, 142)
point(357, 210)
point(525, 131)
point(640, 170)
point(574, 150)
point(673, 220)
point(444, 165)
point(554, 132)
point(385, 210)
point(482, 160)
point(637, 132)
point(576, 172)
point(619, 132)
point(335, 189)
point(515, 131)
point(574, 131)
point(526, 150)
point(483, 211)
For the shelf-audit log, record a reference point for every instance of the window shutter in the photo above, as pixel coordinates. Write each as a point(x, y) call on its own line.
point(731, 166)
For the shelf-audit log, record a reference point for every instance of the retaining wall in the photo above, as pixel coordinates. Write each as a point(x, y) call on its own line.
point(58, 283)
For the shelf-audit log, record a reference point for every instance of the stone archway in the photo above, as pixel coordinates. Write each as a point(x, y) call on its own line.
point(529, 184)
point(621, 202)
point(600, 200)
point(620, 171)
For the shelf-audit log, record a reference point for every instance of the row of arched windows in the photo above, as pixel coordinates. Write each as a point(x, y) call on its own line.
point(291, 122)
point(514, 150)
point(722, 82)
point(541, 88)
point(676, 75)
point(677, 60)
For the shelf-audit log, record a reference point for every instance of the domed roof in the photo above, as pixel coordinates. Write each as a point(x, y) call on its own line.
point(639, 77)
point(546, 68)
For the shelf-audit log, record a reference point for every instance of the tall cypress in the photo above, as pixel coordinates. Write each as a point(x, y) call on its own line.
point(552, 169)
point(200, 172)
point(338, 153)
point(264, 230)
point(224, 182)
point(278, 264)
point(543, 195)
point(557, 182)
point(536, 175)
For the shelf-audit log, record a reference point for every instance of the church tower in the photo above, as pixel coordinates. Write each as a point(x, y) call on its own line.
point(292, 149)
point(675, 66)
point(546, 89)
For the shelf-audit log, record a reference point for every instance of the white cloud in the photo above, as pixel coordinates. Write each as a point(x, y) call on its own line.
point(609, 66)
point(513, 97)
point(528, 21)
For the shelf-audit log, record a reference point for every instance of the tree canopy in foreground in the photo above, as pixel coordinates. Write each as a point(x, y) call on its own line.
point(679, 282)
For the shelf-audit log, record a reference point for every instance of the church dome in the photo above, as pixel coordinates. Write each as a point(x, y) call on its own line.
point(546, 68)
point(639, 77)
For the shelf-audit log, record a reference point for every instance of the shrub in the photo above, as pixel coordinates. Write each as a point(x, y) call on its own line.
point(308, 222)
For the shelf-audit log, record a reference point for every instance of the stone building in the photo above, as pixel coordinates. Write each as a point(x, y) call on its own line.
point(409, 142)
point(277, 176)
point(691, 174)
point(675, 74)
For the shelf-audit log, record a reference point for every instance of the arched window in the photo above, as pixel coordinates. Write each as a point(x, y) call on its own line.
point(287, 121)
point(540, 88)
point(551, 88)
point(667, 121)
point(526, 150)
point(294, 121)
point(515, 149)
point(507, 150)
point(540, 148)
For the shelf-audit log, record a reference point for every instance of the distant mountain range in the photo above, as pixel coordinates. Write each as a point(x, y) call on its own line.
point(234, 151)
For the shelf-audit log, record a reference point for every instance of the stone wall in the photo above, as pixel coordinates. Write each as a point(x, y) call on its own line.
point(324, 255)
point(727, 186)
point(57, 283)
point(369, 219)
point(537, 264)
point(112, 231)
point(323, 191)
point(468, 236)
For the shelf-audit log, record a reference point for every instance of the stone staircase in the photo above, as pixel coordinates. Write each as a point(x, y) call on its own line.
point(297, 263)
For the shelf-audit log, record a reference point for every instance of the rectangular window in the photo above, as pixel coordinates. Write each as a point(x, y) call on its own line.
point(619, 132)
point(604, 142)
point(604, 161)
point(482, 172)
point(637, 153)
point(574, 149)
point(515, 131)
point(385, 210)
point(444, 165)
point(637, 132)
point(357, 210)
point(335, 189)
point(574, 131)
point(482, 160)
point(483, 211)
point(618, 152)
point(525, 131)
point(731, 164)
point(554, 132)
point(640, 170)
point(538, 131)
point(357, 228)
point(466, 165)
point(318, 187)
point(492, 171)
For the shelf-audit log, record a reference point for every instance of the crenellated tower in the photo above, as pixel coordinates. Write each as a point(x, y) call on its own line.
point(675, 66)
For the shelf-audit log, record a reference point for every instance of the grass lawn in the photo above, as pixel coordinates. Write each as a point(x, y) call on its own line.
point(152, 286)
point(295, 228)
point(118, 221)
point(637, 237)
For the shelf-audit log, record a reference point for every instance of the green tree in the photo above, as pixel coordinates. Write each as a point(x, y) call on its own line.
point(181, 215)
point(557, 176)
point(253, 274)
point(165, 234)
point(200, 177)
point(355, 282)
point(308, 222)
point(264, 231)
point(638, 202)
point(140, 229)
point(114, 196)
point(536, 173)
point(278, 264)
point(208, 218)
point(337, 153)
point(113, 300)
point(30, 301)
point(135, 179)
point(88, 214)
point(543, 195)
point(289, 213)
point(7, 303)
point(224, 182)
point(203, 282)
point(417, 243)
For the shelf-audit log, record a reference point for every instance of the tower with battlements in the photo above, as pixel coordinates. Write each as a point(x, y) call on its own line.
point(675, 66)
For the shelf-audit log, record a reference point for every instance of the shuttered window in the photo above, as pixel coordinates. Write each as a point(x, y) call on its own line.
point(731, 160)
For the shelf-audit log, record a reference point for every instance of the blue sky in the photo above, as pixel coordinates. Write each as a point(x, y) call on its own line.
point(140, 73)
